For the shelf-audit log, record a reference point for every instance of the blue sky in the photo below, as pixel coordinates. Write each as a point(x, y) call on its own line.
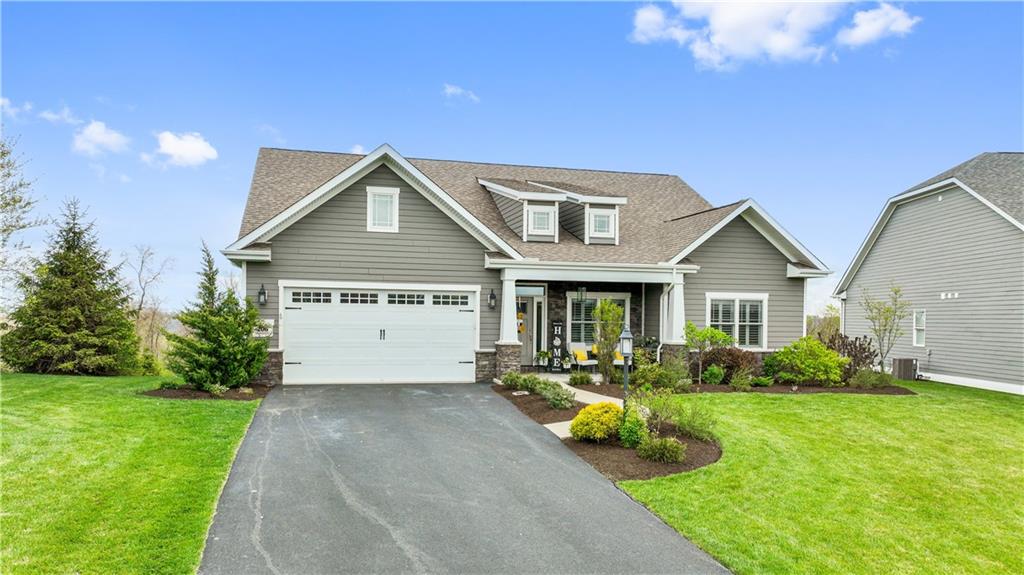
point(152, 114)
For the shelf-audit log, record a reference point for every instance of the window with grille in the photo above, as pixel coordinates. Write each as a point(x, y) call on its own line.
point(582, 327)
point(357, 297)
point(750, 324)
point(311, 297)
point(406, 299)
point(741, 315)
point(723, 315)
point(451, 299)
point(919, 324)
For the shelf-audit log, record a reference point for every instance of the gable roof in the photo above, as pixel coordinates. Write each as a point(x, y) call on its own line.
point(664, 214)
point(996, 179)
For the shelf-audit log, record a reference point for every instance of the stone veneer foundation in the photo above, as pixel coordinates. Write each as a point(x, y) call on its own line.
point(508, 357)
point(273, 370)
point(486, 366)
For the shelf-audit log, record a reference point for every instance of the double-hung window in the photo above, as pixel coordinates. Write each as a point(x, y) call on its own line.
point(742, 316)
point(919, 321)
point(381, 209)
point(541, 220)
point(582, 326)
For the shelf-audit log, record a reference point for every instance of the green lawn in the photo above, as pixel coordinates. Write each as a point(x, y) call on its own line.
point(932, 483)
point(99, 479)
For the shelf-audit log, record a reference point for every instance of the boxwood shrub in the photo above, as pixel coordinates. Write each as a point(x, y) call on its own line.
point(662, 449)
point(598, 422)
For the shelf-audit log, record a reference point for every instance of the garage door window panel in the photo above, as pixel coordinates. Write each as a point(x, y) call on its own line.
point(311, 297)
point(406, 299)
point(357, 298)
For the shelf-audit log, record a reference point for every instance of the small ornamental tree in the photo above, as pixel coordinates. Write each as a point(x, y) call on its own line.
point(74, 317)
point(703, 341)
point(886, 318)
point(608, 328)
point(219, 348)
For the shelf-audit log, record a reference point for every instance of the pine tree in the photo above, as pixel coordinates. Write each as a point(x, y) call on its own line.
point(219, 348)
point(75, 316)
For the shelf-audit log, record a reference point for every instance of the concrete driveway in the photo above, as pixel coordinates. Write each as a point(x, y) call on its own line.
point(428, 478)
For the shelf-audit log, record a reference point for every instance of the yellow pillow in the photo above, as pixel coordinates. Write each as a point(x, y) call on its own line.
point(579, 354)
point(619, 357)
point(593, 349)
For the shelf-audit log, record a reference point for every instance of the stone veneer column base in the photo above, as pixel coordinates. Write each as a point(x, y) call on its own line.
point(486, 368)
point(508, 358)
point(669, 351)
point(273, 370)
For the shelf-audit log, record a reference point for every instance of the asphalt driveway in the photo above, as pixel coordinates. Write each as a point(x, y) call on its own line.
point(429, 478)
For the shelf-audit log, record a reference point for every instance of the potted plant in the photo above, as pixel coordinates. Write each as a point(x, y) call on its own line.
point(543, 358)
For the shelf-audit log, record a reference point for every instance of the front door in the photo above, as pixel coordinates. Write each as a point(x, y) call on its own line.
point(525, 320)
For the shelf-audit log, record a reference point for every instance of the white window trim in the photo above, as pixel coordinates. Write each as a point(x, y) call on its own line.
point(923, 328)
point(552, 212)
point(613, 222)
point(372, 191)
point(736, 297)
point(570, 296)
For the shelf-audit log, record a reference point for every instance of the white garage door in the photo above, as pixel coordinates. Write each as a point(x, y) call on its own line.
point(378, 336)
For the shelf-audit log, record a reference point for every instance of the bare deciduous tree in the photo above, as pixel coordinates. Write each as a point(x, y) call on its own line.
point(148, 273)
point(16, 204)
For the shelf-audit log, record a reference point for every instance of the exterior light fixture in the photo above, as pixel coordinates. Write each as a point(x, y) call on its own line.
point(261, 296)
point(492, 300)
point(581, 293)
point(626, 349)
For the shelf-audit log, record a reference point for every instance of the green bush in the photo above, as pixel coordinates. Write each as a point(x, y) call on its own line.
point(216, 389)
point(616, 377)
point(770, 366)
point(696, 420)
point(580, 377)
point(808, 361)
point(512, 380)
point(171, 383)
point(870, 379)
point(534, 383)
point(607, 327)
point(598, 422)
point(733, 360)
point(761, 381)
point(557, 396)
point(659, 406)
point(656, 376)
point(741, 380)
point(713, 375)
point(662, 449)
point(634, 429)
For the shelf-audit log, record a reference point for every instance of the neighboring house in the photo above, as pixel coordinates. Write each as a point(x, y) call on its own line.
point(955, 245)
point(379, 268)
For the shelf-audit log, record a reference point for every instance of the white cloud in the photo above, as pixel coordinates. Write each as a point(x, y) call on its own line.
point(64, 116)
point(723, 35)
point(873, 25)
point(358, 149)
point(96, 138)
point(186, 149)
point(12, 110)
point(453, 92)
point(272, 132)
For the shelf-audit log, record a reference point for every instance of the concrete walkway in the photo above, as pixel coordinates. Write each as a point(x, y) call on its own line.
point(561, 428)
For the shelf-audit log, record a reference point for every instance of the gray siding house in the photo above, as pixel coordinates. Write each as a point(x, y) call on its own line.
point(955, 245)
point(381, 268)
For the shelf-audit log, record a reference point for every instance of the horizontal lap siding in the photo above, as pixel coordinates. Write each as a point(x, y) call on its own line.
point(571, 217)
point(512, 211)
point(332, 244)
point(739, 259)
point(929, 247)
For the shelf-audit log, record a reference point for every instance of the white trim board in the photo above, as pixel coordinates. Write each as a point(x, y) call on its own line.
point(383, 155)
point(736, 297)
point(890, 207)
point(936, 377)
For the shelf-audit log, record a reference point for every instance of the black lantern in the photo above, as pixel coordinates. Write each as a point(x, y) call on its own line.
point(626, 349)
point(492, 300)
point(261, 296)
point(626, 343)
point(581, 293)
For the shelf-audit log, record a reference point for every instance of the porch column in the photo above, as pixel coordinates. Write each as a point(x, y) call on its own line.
point(675, 332)
point(508, 334)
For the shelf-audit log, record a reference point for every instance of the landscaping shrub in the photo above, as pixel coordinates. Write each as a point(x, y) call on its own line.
point(679, 369)
point(607, 326)
point(644, 355)
point(858, 350)
point(512, 380)
point(808, 361)
point(655, 376)
point(733, 359)
point(870, 379)
point(557, 396)
point(761, 381)
point(658, 405)
point(741, 380)
point(578, 378)
point(598, 422)
point(662, 449)
point(634, 429)
point(533, 383)
point(713, 375)
point(149, 364)
point(216, 389)
point(703, 341)
point(695, 419)
point(770, 366)
point(171, 383)
point(616, 377)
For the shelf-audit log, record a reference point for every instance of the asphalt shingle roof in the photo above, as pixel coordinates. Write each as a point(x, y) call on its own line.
point(996, 176)
point(651, 226)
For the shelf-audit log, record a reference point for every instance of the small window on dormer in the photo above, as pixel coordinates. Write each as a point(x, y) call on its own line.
point(541, 220)
point(602, 223)
point(381, 209)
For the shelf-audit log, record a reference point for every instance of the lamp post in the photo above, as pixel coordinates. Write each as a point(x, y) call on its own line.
point(626, 349)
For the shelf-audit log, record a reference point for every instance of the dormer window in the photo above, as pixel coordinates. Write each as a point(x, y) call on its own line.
point(602, 225)
point(541, 220)
point(381, 209)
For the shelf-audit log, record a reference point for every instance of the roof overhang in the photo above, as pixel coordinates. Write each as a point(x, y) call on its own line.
point(247, 255)
point(383, 155)
point(520, 195)
point(759, 219)
point(890, 207)
point(538, 270)
point(583, 198)
point(793, 271)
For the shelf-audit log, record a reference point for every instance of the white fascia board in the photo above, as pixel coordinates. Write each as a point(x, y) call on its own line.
point(377, 285)
point(794, 272)
point(766, 226)
point(246, 255)
point(517, 195)
point(584, 199)
point(359, 169)
point(890, 207)
point(587, 271)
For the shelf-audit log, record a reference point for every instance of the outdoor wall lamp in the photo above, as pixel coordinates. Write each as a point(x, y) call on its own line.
point(581, 293)
point(492, 300)
point(261, 296)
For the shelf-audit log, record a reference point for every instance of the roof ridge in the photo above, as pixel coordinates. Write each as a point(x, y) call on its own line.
point(706, 211)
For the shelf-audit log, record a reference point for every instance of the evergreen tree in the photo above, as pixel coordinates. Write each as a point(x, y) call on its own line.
point(219, 348)
point(75, 317)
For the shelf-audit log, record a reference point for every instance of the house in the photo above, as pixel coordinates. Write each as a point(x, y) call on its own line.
point(381, 268)
point(955, 245)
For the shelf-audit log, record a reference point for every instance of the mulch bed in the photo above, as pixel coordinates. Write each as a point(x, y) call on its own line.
point(258, 392)
point(536, 407)
point(887, 390)
point(609, 390)
point(619, 463)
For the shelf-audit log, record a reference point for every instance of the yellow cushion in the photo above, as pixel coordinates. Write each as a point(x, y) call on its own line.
point(619, 357)
point(579, 354)
point(593, 349)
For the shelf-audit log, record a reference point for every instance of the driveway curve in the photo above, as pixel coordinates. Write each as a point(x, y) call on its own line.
point(424, 479)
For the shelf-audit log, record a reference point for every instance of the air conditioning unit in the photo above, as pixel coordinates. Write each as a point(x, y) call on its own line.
point(904, 369)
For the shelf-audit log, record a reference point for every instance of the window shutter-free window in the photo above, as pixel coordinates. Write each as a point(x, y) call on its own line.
point(919, 325)
point(381, 209)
